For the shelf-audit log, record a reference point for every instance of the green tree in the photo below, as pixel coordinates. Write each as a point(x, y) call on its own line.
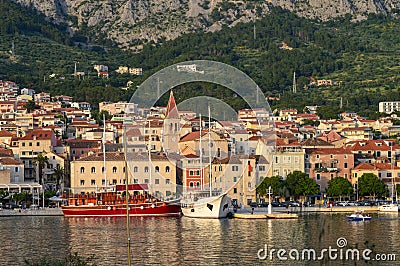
point(370, 185)
point(31, 105)
point(276, 183)
point(338, 187)
point(299, 184)
point(59, 174)
point(41, 161)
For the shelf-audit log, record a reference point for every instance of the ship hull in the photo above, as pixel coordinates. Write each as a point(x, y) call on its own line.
point(212, 207)
point(146, 209)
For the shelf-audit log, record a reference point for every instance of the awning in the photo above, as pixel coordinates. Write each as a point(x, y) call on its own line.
point(55, 198)
point(132, 187)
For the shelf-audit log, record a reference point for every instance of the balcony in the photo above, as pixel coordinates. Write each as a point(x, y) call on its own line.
point(327, 169)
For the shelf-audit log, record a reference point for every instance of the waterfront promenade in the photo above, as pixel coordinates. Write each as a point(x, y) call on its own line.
point(29, 212)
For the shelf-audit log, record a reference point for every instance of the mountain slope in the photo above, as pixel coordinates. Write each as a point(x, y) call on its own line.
point(130, 23)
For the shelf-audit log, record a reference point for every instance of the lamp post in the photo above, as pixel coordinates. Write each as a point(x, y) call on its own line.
point(269, 200)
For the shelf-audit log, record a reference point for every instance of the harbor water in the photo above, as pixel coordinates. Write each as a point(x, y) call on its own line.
point(186, 241)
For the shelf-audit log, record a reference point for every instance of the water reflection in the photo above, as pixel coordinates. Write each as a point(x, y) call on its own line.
point(185, 241)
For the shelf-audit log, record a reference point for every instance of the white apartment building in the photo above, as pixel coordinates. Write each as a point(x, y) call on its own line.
point(389, 107)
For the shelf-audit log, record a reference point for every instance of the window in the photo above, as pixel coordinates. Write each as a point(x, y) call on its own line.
point(30, 143)
point(197, 184)
point(82, 182)
point(197, 172)
point(261, 167)
point(191, 184)
point(345, 156)
point(146, 169)
point(168, 193)
point(102, 169)
point(16, 169)
point(167, 181)
point(135, 169)
point(317, 156)
point(23, 144)
point(38, 144)
point(103, 182)
point(318, 177)
point(249, 184)
point(157, 169)
point(345, 165)
point(114, 182)
point(235, 168)
point(114, 169)
point(234, 190)
point(234, 179)
point(191, 172)
point(146, 181)
point(389, 175)
point(92, 182)
point(23, 153)
point(276, 159)
point(82, 170)
point(167, 169)
point(135, 181)
point(156, 181)
point(123, 169)
point(93, 170)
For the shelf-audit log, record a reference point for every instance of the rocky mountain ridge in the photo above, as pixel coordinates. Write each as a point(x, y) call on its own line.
point(130, 23)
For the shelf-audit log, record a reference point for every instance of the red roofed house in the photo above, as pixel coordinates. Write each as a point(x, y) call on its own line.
point(327, 163)
point(5, 138)
point(33, 143)
point(374, 148)
point(219, 144)
point(386, 172)
point(11, 171)
point(357, 133)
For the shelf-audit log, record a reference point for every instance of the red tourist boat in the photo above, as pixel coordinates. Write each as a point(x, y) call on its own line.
point(114, 204)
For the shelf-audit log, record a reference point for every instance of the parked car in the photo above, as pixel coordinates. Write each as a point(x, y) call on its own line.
point(352, 203)
point(262, 204)
point(11, 205)
point(342, 203)
point(276, 204)
point(294, 204)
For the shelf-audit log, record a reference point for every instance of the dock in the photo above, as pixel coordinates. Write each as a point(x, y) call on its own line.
point(261, 213)
point(28, 212)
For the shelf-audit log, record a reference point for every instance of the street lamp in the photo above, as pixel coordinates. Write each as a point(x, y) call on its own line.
point(269, 200)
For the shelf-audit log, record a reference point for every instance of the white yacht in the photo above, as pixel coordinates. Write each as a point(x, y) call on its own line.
point(197, 206)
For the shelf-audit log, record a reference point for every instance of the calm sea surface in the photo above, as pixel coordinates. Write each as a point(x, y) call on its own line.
point(185, 241)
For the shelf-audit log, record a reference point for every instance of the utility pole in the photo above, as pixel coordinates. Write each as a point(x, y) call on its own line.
point(294, 82)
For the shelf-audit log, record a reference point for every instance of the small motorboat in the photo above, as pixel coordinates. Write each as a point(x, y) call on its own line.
point(358, 216)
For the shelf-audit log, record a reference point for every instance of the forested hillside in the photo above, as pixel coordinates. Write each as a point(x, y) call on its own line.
point(361, 58)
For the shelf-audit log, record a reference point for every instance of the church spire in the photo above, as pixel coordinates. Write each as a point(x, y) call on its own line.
point(172, 110)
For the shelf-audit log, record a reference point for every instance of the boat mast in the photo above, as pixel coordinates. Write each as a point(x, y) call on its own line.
point(150, 164)
point(201, 161)
point(104, 151)
point(209, 147)
point(391, 170)
point(128, 230)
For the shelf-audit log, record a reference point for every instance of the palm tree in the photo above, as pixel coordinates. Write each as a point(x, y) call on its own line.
point(59, 174)
point(41, 161)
